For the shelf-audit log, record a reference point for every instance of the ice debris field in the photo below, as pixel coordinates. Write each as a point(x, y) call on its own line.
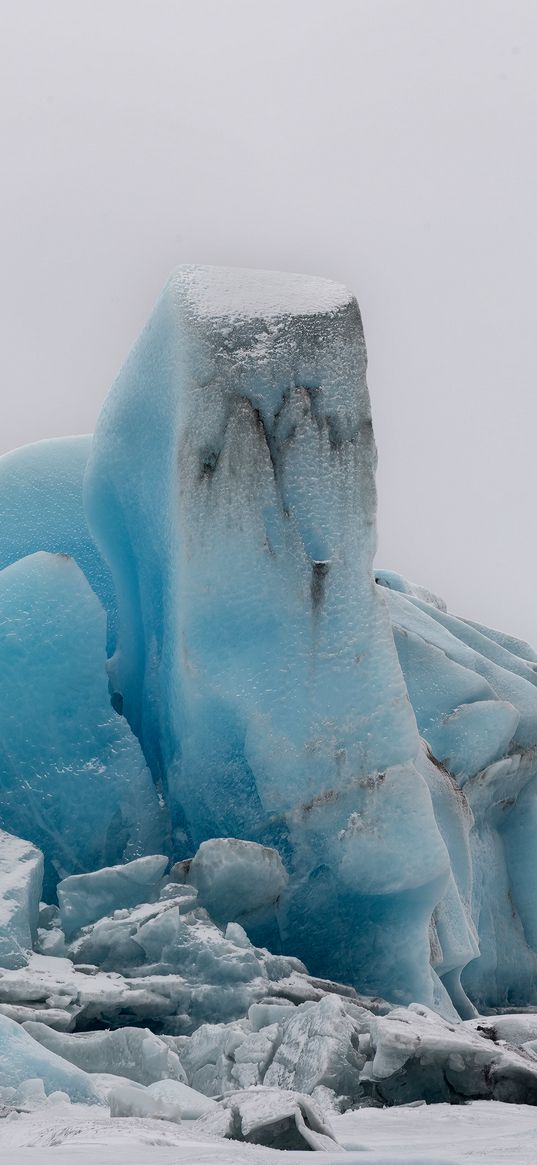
point(268, 817)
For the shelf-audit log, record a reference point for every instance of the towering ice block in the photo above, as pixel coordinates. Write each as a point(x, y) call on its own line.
point(231, 489)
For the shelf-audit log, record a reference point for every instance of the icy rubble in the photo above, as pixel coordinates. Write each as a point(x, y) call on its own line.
point(84, 898)
point(229, 1018)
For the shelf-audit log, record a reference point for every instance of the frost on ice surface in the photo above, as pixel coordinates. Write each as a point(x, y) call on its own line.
point(73, 779)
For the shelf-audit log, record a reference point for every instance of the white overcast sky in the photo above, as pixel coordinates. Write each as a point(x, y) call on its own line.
point(390, 144)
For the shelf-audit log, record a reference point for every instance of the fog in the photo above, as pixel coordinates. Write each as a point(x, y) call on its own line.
point(389, 144)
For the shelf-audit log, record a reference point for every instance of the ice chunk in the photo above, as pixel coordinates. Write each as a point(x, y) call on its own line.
point(41, 508)
point(419, 1056)
point(235, 879)
point(273, 1117)
point(21, 878)
point(319, 1045)
point(163, 1100)
point(231, 489)
point(133, 1052)
point(22, 1058)
point(72, 776)
point(84, 898)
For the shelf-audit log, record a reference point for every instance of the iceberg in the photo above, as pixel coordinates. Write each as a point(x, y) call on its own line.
point(230, 487)
point(267, 815)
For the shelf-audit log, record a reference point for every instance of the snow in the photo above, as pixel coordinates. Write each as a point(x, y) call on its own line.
point(439, 1134)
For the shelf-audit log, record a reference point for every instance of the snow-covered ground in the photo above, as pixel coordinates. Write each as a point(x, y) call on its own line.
point(438, 1134)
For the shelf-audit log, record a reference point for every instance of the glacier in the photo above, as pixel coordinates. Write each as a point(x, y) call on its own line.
point(267, 812)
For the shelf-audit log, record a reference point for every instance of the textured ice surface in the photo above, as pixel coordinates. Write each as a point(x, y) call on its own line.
point(21, 880)
point(41, 508)
point(72, 776)
point(231, 489)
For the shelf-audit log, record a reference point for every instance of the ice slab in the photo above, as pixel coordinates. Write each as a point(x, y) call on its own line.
point(21, 880)
point(134, 1052)
point(73, 779)
point(22, 1058)
point(84, 898)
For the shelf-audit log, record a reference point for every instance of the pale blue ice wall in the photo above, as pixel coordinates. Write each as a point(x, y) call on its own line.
point(231, 489)
point(41, 508)
point(474, 692)
point(72, 776)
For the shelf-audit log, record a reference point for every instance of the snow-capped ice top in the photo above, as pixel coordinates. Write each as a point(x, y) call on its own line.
point(244, 292)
